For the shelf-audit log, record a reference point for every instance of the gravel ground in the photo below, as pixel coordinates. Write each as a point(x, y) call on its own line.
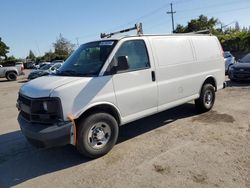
point(176, 148)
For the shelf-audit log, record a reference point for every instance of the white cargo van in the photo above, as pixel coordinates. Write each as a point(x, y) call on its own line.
point(110, 82)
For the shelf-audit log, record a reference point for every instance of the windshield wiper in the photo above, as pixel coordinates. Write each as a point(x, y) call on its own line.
point(72, 73)
point(68, 73)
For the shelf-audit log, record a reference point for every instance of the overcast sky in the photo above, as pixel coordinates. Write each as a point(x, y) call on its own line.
point(35, 25)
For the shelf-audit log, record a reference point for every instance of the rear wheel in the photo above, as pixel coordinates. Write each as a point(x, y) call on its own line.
point(97, 134)
point(206, 100)
point(11, 76)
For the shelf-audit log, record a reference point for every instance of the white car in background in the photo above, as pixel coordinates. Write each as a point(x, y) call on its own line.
point(11, 72)
point(229, 60)
point(44, 70)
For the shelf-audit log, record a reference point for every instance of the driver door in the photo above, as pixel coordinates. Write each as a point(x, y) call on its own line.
point(135, 88)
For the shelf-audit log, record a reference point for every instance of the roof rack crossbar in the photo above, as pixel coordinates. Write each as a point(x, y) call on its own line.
point(201, 31)
point(137, 27)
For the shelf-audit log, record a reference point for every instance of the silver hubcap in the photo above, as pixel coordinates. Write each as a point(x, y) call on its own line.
point(99, 135)
point(208, 98)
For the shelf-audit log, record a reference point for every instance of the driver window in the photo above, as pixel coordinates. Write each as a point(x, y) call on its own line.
point(137, 54)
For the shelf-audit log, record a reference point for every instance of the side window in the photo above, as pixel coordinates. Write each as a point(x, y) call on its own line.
point(136, 52)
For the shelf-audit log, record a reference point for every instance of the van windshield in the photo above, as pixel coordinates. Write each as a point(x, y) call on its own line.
point(88, 59)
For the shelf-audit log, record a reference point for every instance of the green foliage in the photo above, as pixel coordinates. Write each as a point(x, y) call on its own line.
point(201, 23)
point(9, 61)
point(236, 41)
point(31, 56)
point(63, 48)
point(4, 49)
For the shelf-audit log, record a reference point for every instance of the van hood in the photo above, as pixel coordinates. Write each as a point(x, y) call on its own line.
point(44, 86)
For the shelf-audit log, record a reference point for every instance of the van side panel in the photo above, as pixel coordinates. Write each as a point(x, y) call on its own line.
point(206, 48)
point(175, 69)
point(209, 58)
point(181, 68)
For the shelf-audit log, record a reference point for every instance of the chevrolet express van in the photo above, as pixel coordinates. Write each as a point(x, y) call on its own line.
point(110, 82)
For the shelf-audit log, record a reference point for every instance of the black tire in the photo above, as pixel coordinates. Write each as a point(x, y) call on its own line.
point(98, 124)
point(11, 76)
point(206, 100)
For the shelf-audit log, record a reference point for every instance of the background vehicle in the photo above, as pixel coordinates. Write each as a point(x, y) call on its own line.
point(38, 66)
point(111, 82)
point(57, 61)
point(11, 72)
point(229, 60)
point(29, 65)
point(240, 70)
point(44, 70)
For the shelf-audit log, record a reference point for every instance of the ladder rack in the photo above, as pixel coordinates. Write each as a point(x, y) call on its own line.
point(137, 27)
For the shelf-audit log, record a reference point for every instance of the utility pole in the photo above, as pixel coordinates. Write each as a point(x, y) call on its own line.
point(172, 15)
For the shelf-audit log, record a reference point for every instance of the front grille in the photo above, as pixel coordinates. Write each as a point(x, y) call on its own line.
point(242, 69)
point(242, 76)
point(25, 115)
point(32, 110)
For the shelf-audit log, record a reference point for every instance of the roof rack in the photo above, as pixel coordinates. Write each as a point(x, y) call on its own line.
point(137, 27)
point(205, 31)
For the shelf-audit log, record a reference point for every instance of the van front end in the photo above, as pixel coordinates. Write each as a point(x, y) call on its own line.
point(41, 122)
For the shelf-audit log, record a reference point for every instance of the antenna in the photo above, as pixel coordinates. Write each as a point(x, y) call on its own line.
point(137, 27)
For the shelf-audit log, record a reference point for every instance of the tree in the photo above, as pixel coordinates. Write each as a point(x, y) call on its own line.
point(180, 29)
point(31, 56)
point(63, 47)
point(48, 56)
point(4, 49)
point(201, 23)
point(237, 26)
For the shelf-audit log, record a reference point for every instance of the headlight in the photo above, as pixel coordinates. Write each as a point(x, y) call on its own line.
point(231, 68)
point(46, 110)
point(50, 105)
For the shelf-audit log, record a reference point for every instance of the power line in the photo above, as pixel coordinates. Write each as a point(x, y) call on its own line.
point(157, 10)
point(230, 10)
point(172, 16)
point(181, 1)
point(220, 12)
point(209, 6)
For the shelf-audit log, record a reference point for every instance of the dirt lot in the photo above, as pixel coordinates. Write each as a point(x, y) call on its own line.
point(176, 148)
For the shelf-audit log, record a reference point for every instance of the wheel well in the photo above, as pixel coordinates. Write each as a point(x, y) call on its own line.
point(102, 108)
point(9, 72)
point(211, 80)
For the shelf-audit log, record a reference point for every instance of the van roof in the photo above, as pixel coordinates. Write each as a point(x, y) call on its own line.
point(119, 37)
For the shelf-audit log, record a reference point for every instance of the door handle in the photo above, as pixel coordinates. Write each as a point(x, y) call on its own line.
point(153, 76)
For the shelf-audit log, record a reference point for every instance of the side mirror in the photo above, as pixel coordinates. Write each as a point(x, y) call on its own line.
point(117, 64)
point(122, 63)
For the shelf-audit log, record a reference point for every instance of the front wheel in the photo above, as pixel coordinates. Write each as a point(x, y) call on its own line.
point(11, 76)
point(206, 100)
point(97, 134)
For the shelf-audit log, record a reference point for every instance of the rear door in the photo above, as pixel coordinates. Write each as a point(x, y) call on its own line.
point(135, 88)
